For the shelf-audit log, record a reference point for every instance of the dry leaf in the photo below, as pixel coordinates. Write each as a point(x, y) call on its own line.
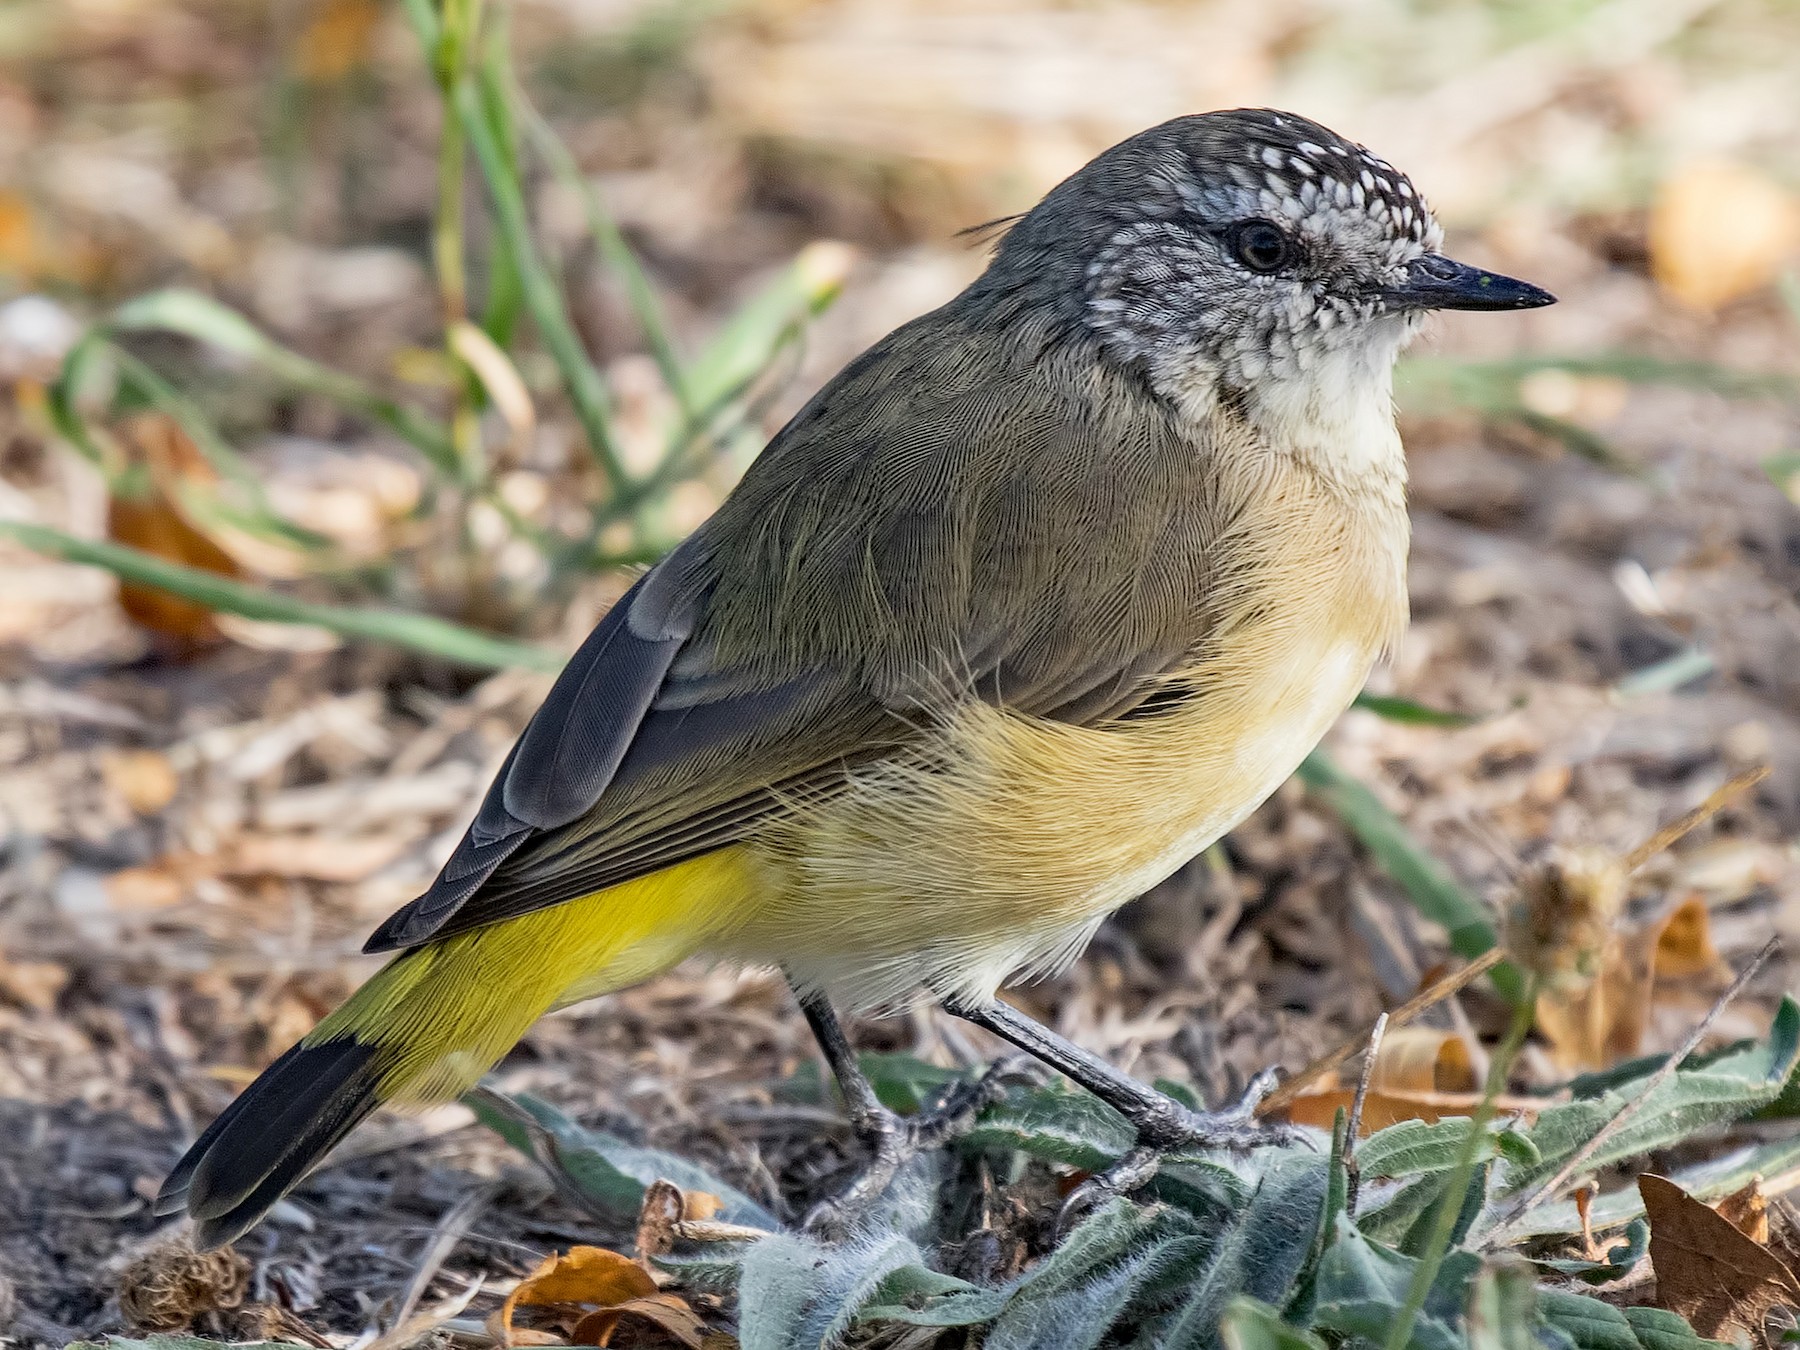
point(663, 1207)
point(316, 857)
point(32, 984)
point(1719, 231)
point(337, 40)
point(155, 885)
point(1601, 1022)
point(1415, 1069)
point(144, 778)
point(153, 521)
point(1684, 946)
point(585, 1278)
point(667, 1312)
point(1748, 1209)
point(19, 250)
point(1706, 1270)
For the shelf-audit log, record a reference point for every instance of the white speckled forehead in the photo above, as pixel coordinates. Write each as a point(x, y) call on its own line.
point(1324, 188)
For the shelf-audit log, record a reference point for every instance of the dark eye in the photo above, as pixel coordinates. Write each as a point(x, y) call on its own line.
point(1261, 246)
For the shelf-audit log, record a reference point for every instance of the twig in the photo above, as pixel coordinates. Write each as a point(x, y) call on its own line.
point(1526, 1203)
point(715, 1230)
point(1428, 997)
point(450, 1230)
point(1673, 831)
point(1353, 1175)
point(416, 1327)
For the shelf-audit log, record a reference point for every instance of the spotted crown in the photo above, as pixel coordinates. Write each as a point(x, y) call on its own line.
point(1300, 172)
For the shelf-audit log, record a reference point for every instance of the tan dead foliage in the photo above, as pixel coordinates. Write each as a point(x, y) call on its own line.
point(170, 1285)
point(1419, 1072)
point(586, 1293)
point(33, 985)
point(337, 39)
point(1593, 1024)
point(152, 519)
point(1748, 1209)
point(1707, 1270)
point(665, 1208)
point(1719, 231)
point(145, 779)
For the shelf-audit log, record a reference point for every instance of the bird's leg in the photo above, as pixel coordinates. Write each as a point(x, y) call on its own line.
point(892, 1140)
point(1163, 1125)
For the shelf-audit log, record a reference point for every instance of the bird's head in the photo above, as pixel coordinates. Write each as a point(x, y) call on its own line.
point(1250, 256)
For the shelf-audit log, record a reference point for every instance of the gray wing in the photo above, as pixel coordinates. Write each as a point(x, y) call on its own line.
point(891, 554)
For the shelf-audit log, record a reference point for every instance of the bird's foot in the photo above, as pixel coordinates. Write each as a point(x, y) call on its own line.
point(1177, 1130)
point(894, 1140)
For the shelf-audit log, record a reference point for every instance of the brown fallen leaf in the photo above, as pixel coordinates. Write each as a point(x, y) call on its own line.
point(1719, 231)
point(337, 40)
point(669, 1313)
point(144, 778)
point(1602, 1021)
point(1706, 1270)
point(1748, 1210)
point(575, 1283)
point(147, 515)
point(1597, 1023)
point(1415, 1070)
point(35, 985)
point(158, 884)
point(1684, 946)
point(316, 857)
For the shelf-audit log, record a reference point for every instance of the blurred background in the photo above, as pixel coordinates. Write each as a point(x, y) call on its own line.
point(353, 351)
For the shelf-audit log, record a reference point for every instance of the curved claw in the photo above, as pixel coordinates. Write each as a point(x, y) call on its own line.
point(1130, 1173)
point(894, 1140)
point(1180, 1131)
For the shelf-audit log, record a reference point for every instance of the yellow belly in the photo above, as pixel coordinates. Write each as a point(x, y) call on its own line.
point(995, 849)
point(1001, 850)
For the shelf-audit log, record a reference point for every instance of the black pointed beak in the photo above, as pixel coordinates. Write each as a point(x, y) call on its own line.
point(1437, 282)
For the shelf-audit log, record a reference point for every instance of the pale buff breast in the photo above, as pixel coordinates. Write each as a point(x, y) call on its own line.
point(999, 850)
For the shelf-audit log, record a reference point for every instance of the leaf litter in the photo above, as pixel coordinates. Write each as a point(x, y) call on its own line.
point(158, 944)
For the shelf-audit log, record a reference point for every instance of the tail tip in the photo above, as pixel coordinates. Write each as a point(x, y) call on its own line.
point(270, 1137)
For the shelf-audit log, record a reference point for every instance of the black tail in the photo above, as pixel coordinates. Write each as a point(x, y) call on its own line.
point(270, 1137)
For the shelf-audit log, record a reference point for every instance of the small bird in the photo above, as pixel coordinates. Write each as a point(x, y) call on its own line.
point(1037, 598)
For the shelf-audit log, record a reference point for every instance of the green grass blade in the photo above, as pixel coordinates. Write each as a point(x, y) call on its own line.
point(64, 396)
point(1665, 676)
point(417, 632)
point(204, 319)
point(1784, 473)
point(609, 241)
point(751, 339)
point(505, 296)
point(587, 391)
point(1432, 890)
point(1435, 383)
point(1409, 713)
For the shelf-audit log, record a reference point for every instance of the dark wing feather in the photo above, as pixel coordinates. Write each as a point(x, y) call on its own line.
point(959, 515)
point(567, 755)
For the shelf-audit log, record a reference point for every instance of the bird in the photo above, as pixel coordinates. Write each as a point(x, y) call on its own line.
point(1037, 598)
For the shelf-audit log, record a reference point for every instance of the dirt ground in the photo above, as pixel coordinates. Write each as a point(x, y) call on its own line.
point(192, 847)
